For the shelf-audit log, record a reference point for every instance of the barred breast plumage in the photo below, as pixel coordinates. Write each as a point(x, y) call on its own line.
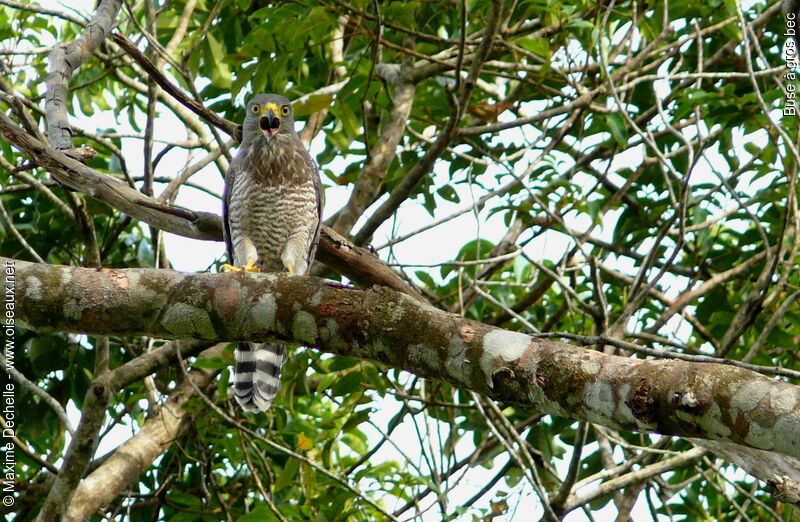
point(272, 210)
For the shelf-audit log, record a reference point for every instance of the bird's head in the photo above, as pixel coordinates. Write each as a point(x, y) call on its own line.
point(268, 115)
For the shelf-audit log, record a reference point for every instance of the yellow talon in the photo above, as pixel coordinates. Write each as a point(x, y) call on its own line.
point(289, 269)
point(250, 266)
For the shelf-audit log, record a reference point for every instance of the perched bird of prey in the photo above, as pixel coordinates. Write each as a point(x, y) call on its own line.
point(272, 210)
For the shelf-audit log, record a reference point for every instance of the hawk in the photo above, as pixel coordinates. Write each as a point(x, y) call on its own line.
point(272, 210)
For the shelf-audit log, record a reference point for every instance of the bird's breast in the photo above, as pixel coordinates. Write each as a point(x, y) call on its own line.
point(270, 199)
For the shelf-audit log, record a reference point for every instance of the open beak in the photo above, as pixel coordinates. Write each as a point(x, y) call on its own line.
point(269, 123)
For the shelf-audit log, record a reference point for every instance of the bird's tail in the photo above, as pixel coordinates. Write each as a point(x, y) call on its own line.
point(256, 375)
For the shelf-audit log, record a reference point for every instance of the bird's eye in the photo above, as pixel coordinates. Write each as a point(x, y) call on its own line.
point(285, 110)
point(255, 109)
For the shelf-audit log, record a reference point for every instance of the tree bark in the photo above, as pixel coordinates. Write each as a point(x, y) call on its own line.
point(714, 402)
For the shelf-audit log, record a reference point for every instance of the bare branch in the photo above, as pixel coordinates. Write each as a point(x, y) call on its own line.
point(64, 59)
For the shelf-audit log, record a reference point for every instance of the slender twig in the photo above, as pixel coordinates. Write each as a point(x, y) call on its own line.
point(39, 392)
point(572, 472)
point(35, 8)
point(221, 123)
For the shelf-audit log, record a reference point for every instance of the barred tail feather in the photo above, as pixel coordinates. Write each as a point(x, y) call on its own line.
point(256, 375)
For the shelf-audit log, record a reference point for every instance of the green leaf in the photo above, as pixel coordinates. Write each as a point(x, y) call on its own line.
point(448, 192)
point(259, 514)
point(539, 46)
point(347, 384)
point(618, 127)
point(342, 363)
point(223, 384)
point(312, 104)
point(287, 474)
point(220, 72)
point(326, 382)
point(357, 419)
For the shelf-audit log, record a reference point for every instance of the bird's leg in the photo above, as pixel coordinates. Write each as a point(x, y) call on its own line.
point(294, 254)
point(248, 251)
point(250, 266)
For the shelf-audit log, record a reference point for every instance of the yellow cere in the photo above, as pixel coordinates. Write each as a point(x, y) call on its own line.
point(271, 106)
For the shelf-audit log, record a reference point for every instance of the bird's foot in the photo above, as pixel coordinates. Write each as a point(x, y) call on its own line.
point(288, 269)
point(250, 266)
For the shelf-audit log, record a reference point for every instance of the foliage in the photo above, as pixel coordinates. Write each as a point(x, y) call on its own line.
point(642, 170)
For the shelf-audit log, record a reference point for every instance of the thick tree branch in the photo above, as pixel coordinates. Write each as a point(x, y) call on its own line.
point(79, 452)
point(359, 264)
point(707, 401)
point(145, 364)
point(64, 59)
point(76, 175)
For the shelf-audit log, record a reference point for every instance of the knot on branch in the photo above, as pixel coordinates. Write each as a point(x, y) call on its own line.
point(82, 154)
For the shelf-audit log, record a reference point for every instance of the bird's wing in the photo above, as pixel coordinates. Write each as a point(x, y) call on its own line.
point(230, 176)
point(320, 195)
